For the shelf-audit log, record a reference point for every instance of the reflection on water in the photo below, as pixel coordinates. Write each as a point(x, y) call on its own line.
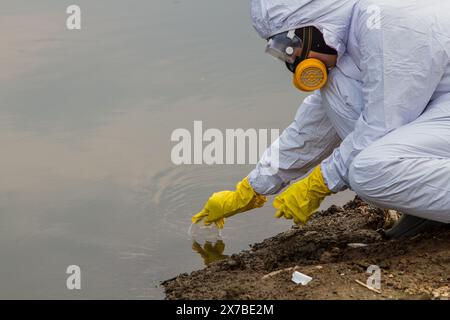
point(211, 238)
point(210, 252)
point(85, 124)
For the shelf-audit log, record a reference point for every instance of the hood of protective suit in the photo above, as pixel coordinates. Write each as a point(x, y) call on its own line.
point(331, 17)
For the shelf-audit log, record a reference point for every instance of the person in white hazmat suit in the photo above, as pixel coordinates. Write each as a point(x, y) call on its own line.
point(378, 118)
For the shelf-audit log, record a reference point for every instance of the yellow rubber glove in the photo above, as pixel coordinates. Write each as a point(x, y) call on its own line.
point(303, 198)
point(225, 204)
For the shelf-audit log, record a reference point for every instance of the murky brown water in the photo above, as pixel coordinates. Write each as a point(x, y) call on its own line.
point(85, 122)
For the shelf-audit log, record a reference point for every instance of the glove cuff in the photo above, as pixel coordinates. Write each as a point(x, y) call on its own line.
point(319, 181)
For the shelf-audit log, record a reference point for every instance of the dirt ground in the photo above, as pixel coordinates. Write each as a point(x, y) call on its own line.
point(412, 268)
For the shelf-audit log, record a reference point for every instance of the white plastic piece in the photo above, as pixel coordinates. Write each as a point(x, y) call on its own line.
point(357, 245)
point(300, 278)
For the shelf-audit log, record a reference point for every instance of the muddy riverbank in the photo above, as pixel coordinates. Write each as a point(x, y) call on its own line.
point(412, 268)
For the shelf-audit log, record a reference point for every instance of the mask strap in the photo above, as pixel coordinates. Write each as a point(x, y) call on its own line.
point(307, 42)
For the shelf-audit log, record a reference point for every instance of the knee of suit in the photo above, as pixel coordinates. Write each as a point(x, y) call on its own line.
point(390, 182)
point(371, 176)
point(357, 178)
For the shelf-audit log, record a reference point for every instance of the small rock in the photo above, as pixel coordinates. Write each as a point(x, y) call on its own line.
point(232, 263)
point(335, 250)
point(391, 218)
point(384, 264)
point(326, 256)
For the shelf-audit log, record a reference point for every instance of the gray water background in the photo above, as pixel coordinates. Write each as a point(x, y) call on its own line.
point(86, 117)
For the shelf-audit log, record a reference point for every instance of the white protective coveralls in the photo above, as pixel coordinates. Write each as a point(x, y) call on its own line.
point(381, 125)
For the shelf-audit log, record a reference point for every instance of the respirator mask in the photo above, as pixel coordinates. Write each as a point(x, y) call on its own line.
point(293, 48)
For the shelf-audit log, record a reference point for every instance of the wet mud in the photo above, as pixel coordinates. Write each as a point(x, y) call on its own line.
point(337, 249)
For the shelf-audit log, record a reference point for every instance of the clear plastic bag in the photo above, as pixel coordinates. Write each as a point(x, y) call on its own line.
point(201, 233)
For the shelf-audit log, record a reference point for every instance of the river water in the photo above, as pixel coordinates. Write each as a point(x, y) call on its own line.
point(86, 118)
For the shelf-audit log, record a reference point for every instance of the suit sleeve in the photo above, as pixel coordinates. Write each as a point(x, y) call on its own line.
point(302, 146)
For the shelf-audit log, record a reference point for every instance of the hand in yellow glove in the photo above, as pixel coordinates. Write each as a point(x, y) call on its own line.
point(210, 252)
point(225, 204)
point(303, 198)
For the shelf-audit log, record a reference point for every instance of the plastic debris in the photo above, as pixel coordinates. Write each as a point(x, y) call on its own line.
point(300, 278)
point(357, 245)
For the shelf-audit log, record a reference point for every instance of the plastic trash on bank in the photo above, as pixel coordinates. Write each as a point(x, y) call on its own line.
point(300, 278)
